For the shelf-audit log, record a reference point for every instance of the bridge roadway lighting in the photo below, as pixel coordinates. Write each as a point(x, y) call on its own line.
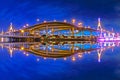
point(22, 31)
point(79, 24)
point(38, 59)
point(24, 26)
point(27, 54)
point(104, 35)
point(113, 34)
point(2, 32)
point(99, 57)
point(54, 59)
point(73, 21)
point(54, 20)
point(65, 21)
point(37, 20)
point(44, 58)
point(73, 58)
point(27, 24)
point(45, 21)
point(24, 52)
point(65, 58)
point(80, 55)
point(88, 26)
point(22, 48)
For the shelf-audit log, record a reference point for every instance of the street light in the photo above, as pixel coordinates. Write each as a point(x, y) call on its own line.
point(45, 21)
point(37, 20)
point(22, 31)
point(88, 26)
point(22, 48)
point(27, 24)
point(73, 21)
point(73, 58)
point(54, 20)
point(65, 21)
point(79, 24)
point(24, 26)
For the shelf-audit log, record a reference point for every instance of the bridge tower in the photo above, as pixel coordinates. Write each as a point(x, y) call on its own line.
point(11, 51)
point(2, 32)
point(10, 30)
point(99, 52)
point(99, 27)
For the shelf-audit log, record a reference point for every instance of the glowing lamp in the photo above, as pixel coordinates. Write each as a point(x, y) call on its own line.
point(65, 21)
point(73, 21)
point(27, 24)
point(38, 20)
point(54, 20)
point(22, 48)
point(38, 59)
point(73, 59)
point(65, 58)
point(27, 54)
point(22, 31)
point(45, 21)
point(79, 24)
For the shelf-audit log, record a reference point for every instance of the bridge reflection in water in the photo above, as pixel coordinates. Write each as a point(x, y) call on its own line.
point(59, 50)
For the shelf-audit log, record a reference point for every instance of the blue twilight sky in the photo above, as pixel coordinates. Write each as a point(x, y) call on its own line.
point(21, 12)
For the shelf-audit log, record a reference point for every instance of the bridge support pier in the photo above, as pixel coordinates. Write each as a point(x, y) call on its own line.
point(52, 31)
point(72, 30)
point(72, 48)
point(82, 35)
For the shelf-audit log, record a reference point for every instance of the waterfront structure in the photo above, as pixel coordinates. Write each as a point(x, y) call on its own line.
point(60, 31)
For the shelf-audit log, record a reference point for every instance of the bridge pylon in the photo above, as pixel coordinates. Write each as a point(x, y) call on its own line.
point(10, 30)
point(2, 32)
point(99, 27)
point(99, 52)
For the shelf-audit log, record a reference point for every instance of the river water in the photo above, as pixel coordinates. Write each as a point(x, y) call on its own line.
point(77, 61)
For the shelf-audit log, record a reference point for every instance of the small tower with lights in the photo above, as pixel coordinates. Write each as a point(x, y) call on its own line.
point(99, 52)
point(2, 32)
point(99, 27)
point(10, 30)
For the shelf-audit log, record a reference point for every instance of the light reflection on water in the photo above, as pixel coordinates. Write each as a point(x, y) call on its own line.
point(73, 61)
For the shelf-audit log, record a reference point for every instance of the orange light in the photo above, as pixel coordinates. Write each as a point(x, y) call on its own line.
point(27, 54)
point(65, 58)
point(79, 24)
point(79, 55)
point(73, 59)
point(45, 21)
point(65, 21)
point(22, 31)
point(22, 48)
point(88, 26)
point(73, 21)
point(45, 58)
point(54, 58)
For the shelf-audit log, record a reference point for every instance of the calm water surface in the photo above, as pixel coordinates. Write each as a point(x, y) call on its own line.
point(22, 65)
